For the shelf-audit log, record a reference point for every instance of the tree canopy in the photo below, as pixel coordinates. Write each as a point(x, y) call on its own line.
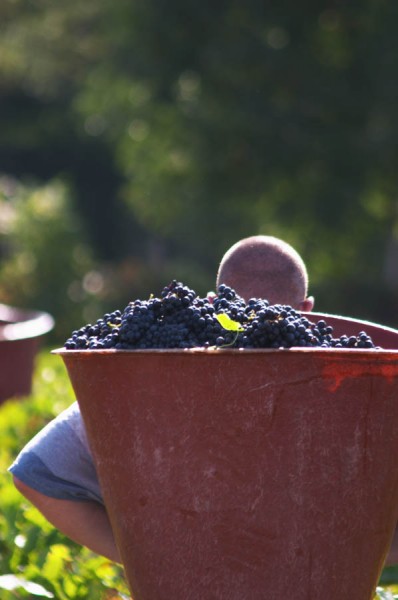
point(182, 126)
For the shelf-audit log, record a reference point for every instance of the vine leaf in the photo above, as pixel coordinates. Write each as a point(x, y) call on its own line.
point(228, 323)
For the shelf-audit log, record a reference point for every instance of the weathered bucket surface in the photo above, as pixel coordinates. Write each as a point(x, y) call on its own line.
point(246, 475)
point(20, 336)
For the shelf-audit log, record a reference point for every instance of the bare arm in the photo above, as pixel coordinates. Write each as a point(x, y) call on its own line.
point(86, 523)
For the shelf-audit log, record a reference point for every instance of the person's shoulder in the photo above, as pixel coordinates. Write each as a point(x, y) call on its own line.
point(73, 418)
point(71, 413)
point(69, 418)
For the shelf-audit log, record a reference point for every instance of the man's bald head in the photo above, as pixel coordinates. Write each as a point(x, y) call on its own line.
point(265, 267)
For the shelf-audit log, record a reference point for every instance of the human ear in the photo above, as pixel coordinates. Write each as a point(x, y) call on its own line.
point(308, 304)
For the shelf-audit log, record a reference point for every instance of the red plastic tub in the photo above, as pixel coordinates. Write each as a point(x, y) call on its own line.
point(247, 474)
point(21, 332)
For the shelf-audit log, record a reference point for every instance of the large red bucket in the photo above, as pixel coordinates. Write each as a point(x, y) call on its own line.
point(247, 475)
point(21, 332)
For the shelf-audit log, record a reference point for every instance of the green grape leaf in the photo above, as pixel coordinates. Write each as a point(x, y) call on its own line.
point(228, 323)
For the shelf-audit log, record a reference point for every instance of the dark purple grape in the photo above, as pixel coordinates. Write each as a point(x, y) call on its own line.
point(179, 318)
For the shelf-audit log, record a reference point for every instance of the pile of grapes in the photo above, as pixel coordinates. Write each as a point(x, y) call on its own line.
point(182, 319)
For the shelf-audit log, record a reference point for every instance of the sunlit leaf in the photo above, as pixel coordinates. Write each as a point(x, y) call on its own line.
point(70, 588)
point(227, 323)
point(54, 564)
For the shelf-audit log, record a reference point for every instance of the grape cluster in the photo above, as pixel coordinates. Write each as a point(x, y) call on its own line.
point(182, 319)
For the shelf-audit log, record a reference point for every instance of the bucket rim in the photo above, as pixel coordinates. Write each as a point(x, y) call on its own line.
point(18, 324)
point(213, 350)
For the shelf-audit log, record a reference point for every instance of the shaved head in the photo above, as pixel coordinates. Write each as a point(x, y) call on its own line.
point(265, 267)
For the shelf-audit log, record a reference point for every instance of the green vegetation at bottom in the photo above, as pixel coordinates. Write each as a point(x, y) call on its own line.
point(37, 561)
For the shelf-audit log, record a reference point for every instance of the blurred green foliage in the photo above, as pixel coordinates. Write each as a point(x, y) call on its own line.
point(180, 127)
point(45, 261)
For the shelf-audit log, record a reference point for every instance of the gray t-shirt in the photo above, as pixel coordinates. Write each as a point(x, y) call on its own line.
point(57, 462)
